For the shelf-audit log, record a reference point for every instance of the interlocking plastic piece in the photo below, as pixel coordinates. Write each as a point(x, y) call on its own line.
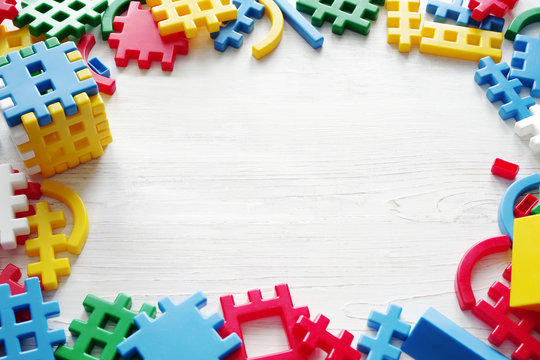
point(95, 330)
point(535, 210)
point(504, 169)
point(115, 8)
point(460, 42)
point(482, 8)
point(180, 333)
point(351, 14)
point(404, 21)
point(256, 309)
point(389, 326)
point(506, 206)
point(105, 84)
point(503, 89)
point(16, 40)
point(12, 333)
point(462, 284)
point(314, 335)
point(526, 18)
point(299, 23)
point(526, 63)
point(525, 206)
point(176, 16)
point(8, 9)
point(137, 37)
point(21, 239)
point(443, 10)
point(60, 18)
point(10, 204)
point(11, 276)
point(98, 67)
point(39, 76)
point(437, 337)
point(270, 42)
point(32, 189)
point(530, 127)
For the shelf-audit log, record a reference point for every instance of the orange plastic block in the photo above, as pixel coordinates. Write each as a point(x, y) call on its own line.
point(15, 40)
point(404, 23)
point(175, 16)
point(460, 42)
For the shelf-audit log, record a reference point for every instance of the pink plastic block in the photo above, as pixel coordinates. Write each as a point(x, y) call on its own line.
point(105, 84)
point(482, 8)
point(525, 206)
point(505, 169)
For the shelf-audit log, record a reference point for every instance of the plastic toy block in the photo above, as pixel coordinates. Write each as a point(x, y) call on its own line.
point(105, 84)
point(180, 333)
point(443, 10)
point(115, 8)
point(525, 206)
point(460, 42)
point(535, 210)
point(39, 76)
point(229, 34)
point(15, 40)
point(137, 37)
point(13, 333)
point(8, 10)
point(490, 23)
point(404, 20)
point(506, 206)
point(389, 326)
point(504, 169)
point(256, 309)
point(176, 16)
point(503, 89)
point(60, 18)
point(526, 18)
point(526, 63)
point(98, 67)
point(10, 204)
point(299, 23)
point(482, 8)
point(462, 284)
point(437, 337)
point(11, 276)
point(530, 127)
point(21, 239)
point(94, 331)
point(351, 14)
point(272, 39)
point(314, 335)
point(32, 190)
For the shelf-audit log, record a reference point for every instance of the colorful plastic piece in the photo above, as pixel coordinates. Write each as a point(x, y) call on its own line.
point(351, 14)
point(177, 16)
point(60, 18)
point(95, 331)
point(460, 42)
point(535, 210)
point(525, 206)
point(105, 84)
point(504, 169)
point(482, 8)
point(10, 226)
point(314, 335)
point(404, 21)
point(137, 37)
point(443, 10)
point(115, 8)
point(8, 9)
point(526, 18)
point(530, 127)
point(98, 67)
point(11, 276)
point(37, 328)
point(39, 76)
point(21, 239)
point(506, 206)
point(15, 40)
point(389, 326)
point(504, 90)
point(437, 337)
point(299, 23)
point(256, 309)
point(273, 38)
point(526, 63)
point(180, 333)
point(32, 189)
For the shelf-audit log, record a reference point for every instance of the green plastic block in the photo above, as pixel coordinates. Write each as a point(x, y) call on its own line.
point(343, 14)
point(3, 60)
point(535, 210)
point(526, 18)
point(27, 51)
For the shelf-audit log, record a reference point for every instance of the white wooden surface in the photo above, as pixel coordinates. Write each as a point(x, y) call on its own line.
point(356, 174)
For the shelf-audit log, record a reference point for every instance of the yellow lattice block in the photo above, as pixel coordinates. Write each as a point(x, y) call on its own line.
point(174, 16)
point(16, 39)
point(69, 140)
point(404, 23)
point(460, 42)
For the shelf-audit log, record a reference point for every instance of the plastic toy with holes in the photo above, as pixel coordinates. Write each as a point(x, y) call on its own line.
point(95, 331)
point(16, 40)
point(482, 8)
point(404, 22)
point(181, 332)
point(176, 16)
point(530, 127)
point(105, 84)
point(10, 204)
point(256, 309)
point(12, 333)
point(11, 276)
point(443, 10)
point(354, 14)
point(38, 76)
point(526, 63)
point(136, 36)
point(60, 18)
point(8, 9)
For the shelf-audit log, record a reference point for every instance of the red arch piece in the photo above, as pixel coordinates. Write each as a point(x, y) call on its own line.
point(85, 45)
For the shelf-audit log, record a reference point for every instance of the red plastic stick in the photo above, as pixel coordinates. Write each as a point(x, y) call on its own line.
point(525, 206)
point(105, 84)
point(505, 169)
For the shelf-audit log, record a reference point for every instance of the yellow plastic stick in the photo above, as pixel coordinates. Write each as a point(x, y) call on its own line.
point(273, 38)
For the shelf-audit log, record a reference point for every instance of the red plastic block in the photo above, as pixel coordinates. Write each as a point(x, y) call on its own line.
point(257, 309)
point(525, 206)
point(105, 84)
point(482, 8)
point(505, 169)
point(11, 276)
point(315, 336)
point(8, 10)
point(137, 36)
point(33, 192)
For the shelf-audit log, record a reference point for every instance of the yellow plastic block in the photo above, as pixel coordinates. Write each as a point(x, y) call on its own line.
point(174, 16)
point(404, 23)
point(16, 40)
point(273, 38)
point(46, 245)
point(525, 284)
point(460, 42)
point(68, 140)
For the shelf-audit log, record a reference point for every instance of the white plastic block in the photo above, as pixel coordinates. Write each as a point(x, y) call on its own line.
point(530, 127)
point(10, 227)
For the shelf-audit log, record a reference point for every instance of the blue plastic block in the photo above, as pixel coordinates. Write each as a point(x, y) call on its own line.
point(388, 326)
point(443, 10)
point(503, 89)
point(490, 23)
point(39, 76)
point(181, 333)
point(526, 61)
point(13, 333)
point(229, 35)
point(437, 337)
point(99, 67)
point(300, 24)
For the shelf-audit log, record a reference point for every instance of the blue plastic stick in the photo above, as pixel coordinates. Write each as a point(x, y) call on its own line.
point(300, 24)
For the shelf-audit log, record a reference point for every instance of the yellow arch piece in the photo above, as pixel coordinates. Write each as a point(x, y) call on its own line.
point(273, 38)
point(60, 192)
